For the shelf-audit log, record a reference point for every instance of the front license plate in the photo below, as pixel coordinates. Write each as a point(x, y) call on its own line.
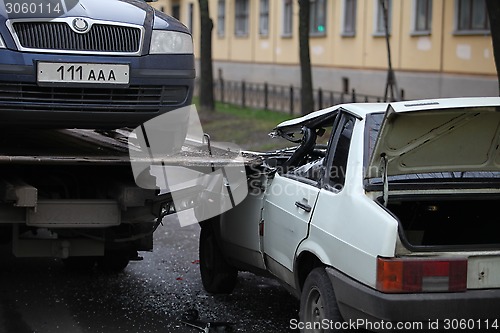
point(55, 72)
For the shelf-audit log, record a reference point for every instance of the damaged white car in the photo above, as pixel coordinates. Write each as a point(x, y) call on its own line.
point(384, 213)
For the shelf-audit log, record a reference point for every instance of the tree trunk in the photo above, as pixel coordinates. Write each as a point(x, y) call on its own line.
point(306, 91)
point(493, 7)
point(206, 71)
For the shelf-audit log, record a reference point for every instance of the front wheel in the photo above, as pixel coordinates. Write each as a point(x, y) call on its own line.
point(217, 276)
point(318, 304)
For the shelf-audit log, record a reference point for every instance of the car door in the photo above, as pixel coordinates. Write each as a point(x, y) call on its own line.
point(291, 200)
point(288, 207)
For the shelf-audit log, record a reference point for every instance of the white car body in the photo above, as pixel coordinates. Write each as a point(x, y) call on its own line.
point(433, 162)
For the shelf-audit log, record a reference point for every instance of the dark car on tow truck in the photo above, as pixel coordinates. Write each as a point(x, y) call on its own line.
point(91, 63)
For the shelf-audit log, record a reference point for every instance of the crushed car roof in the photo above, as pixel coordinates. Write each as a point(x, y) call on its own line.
point(314, 118)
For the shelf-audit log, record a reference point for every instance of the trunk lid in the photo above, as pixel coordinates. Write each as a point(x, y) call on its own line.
point(445, 135)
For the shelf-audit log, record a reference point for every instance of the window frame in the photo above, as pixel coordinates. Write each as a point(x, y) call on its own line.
point(349, 14)
point(191, 16)
point(379, 17)
point(241, 18)
point(175, 8)
point(470, 30)
point(264, 18)
point(342, 119)
point(427, 29)
point(318, 12)
point(287, 22)
point(221, 18)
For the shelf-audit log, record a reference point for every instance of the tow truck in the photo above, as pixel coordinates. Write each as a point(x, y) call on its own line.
point(74, 76)
point(70, 194)
point(74, 194)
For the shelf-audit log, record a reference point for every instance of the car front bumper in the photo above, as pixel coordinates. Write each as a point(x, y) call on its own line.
point(158, 84)
point(361, 304)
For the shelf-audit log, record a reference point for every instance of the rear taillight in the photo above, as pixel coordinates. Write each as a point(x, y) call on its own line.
point(406, 275)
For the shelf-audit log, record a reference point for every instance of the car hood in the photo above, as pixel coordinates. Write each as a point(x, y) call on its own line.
point(136, 12)
point(428, 136)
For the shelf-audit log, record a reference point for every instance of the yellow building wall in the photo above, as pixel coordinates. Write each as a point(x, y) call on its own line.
point(162, 3)
point(220, 43)
point(375, 50)
point(240, 47)
point(287, 47)
point(471, 54)
point(441, 51)
point(421, 52)
point(348, 51)
point(265, 45)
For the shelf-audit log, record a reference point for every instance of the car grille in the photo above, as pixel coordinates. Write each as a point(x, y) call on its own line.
point(59, 36)
point(30, 97)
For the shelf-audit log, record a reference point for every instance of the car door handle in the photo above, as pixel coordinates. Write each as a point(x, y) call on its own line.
point(303, 206)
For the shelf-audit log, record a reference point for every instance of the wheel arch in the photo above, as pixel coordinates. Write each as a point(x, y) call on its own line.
point(305, 263)
point(214, 224)
point(309, 256)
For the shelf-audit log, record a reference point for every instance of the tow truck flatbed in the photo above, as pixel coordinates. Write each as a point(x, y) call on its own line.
point(80, 146)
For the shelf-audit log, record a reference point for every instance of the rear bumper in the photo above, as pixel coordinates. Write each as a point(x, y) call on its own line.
point(158, 84)
point(358, 302)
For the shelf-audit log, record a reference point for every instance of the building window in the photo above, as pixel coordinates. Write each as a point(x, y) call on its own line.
point(264, 18)
point(241, 18)
point(318, 17)
point(349, 24)
point(423, 16)
point(221, 18)
point(287, 17)
point(190, 17)
point(380, 23)
point(176, 11)
point(472, 16)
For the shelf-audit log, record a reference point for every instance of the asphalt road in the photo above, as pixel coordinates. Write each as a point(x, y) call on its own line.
point(150, 296)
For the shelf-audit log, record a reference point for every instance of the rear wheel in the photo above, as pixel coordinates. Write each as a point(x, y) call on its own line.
point(318, 303)
point(217, 276)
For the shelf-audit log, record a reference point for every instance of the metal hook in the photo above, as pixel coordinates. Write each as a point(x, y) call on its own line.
point(207, 137)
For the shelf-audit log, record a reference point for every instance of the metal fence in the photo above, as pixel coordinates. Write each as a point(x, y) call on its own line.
point(280, 98)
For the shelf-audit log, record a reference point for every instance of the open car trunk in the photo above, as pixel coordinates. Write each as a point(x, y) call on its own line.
point(448, 222)
point(438, 147)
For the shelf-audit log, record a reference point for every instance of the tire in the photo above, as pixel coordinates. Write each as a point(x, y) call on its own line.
point(318, 302)
point(113, 261)
point(217, 276)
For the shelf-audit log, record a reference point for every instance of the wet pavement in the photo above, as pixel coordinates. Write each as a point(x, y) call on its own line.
point(150, 296)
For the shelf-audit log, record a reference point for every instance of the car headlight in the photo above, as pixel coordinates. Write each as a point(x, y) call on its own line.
point(2, 44)
point(169, 42)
